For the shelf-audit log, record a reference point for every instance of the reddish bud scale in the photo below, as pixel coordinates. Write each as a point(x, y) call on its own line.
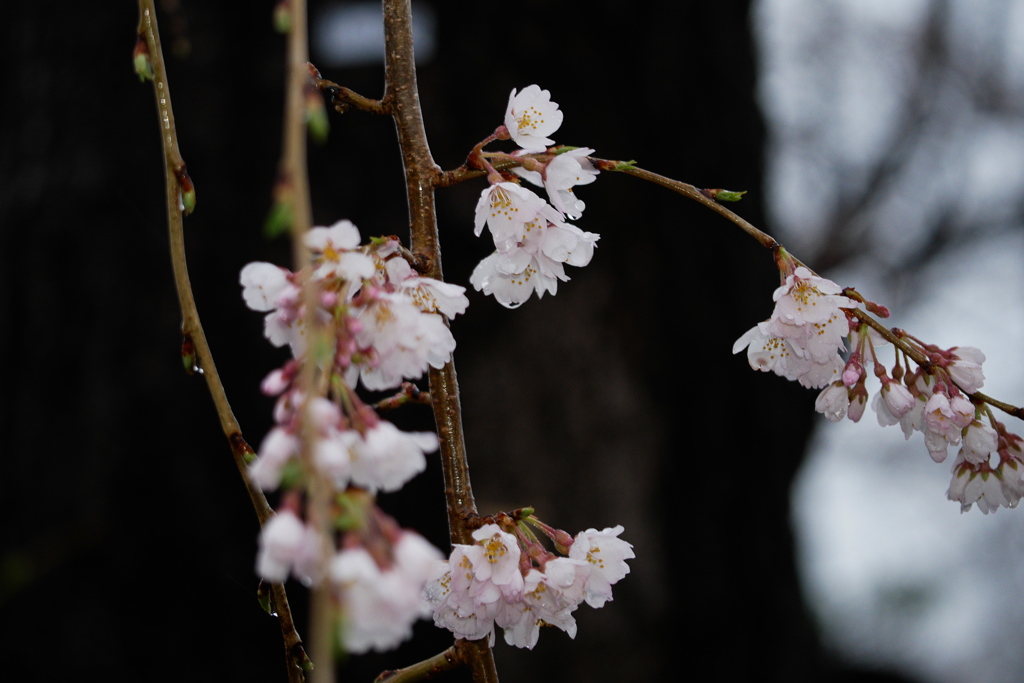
point(143, 63)
point(242, 448)
point(188, 191)
point(189, 360)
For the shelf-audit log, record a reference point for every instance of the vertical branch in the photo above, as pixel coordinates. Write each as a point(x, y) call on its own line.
point(178, 184)
point(401, 99)
point(295, 175)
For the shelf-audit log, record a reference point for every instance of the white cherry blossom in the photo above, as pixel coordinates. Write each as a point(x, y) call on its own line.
point(287, 545)
point(531, 116)
point(606, 554)
point(965, 369)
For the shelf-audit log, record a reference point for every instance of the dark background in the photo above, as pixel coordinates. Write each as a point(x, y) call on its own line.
point(128, 541)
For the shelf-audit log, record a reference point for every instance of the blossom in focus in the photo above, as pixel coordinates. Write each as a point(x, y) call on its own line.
point(606, 554)
point(535, 264)
point(804, 336)
point(387, 318)
point(510, 211)
point(561, 175)
point(494, 583)
point(531, 116)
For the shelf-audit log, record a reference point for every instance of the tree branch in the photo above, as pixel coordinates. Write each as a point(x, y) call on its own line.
point(421, 175)
point(177, 185)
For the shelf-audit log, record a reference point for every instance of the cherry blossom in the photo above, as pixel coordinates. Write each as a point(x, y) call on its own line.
point(380, 605)
point(833, 401)
point(510, 211)
point(535, 265)
point(385, 458)
point(965, 368)
point(804, 336)
point(560, 176)
point(494, 583)
point(334, 248)
point(287, 545)
point(532, 116)
point(606, 554)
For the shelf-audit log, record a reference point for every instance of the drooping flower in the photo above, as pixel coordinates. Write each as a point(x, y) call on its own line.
point(606, 554)
point(385, 458)
point(965, 368)
point(833, 401)
point(380, 605)
point(288, 546)
point(804, 336)
point(535, 264)
point(561, 175)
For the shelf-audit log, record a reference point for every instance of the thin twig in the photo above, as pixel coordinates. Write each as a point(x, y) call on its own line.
point(192, 327)
point(421, 174)
point(428, 668)
point(691, 192)
point(343, 99)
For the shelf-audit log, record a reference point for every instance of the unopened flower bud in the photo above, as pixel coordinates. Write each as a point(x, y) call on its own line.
point(143, 64)
point(316, 116)
point(188, 192)
point(188, 356)
point(283, 17)
point(720, 195)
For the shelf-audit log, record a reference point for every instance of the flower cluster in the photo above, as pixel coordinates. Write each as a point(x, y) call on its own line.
point(803, 340)
point(804, 337)
point(511, 581)
point(386, 317)
point(378, 580)
point(357, 314)
point(531, 238)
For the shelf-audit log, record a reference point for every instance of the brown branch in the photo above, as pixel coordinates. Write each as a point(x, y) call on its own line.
point(428, 668)
point(295, 174)
point(421, 174)
point(343, 99)
point(177, 184)
point(689, 191)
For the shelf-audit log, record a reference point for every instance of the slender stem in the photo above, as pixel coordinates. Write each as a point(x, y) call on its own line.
point(696, 195)
point(428, 668)
point(296, 175)
point(421, 175)
point(191, 325)
point(343, 99)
